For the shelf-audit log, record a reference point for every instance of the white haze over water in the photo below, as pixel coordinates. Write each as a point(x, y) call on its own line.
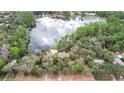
point(48, 31)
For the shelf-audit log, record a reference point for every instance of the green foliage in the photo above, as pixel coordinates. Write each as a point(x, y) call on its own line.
point(95, 36)
point(26, 18)
point(113, 18)
point(66, 42)
point(99, 72)
point(2, 63)
point(27, 63)
point(73, 56)
point(83, 14)
point(114, 68)
point(76, 68)
point(96, 41)
point(92, 41)
point(61, 63)
point(76, 13)
point(19, 39)
point(104, 72)
point(66, 70)
point(14, 52)
point(39, 62)
point(9, 68)
point(37, 71)
point(115, 48)
point(108, 57)
point(16, 30)
point(88, 59)
point(122, 59)
point(67, 14)
point(110, 13)
point(121, 45)
point(86, 52)
point(91, 65)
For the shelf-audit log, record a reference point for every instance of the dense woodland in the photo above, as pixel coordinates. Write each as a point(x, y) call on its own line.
point(100, 40)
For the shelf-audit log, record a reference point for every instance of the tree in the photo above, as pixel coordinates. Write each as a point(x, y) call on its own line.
point(86, 52)
point(88, 59)
point(67, 14)
point(27, 63)
point(26, 18)
point(76, 68)
point(113, 18)
point(106, 14)
point(2, 63)
point(108, 57)
point(19, 39)
point(10, 68)
point(115, 48)
point(83, 14)
point(37, 71)
point(14, 52)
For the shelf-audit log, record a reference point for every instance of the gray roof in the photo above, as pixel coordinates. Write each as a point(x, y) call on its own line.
point(98, 61)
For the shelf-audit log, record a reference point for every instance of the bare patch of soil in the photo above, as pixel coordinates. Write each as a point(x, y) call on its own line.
point(52, 77)
point(66, 77)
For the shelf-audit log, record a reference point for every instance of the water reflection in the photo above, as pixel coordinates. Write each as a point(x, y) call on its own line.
point(48, 31)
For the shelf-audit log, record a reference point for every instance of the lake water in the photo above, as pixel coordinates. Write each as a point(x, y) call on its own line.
point(48, 31)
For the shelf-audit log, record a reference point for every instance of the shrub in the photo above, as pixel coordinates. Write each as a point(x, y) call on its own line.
point(2, 63)
point(37, 71)
point(88, 59)
point(14, 52)
point(66, 70)
point(99, 73)
point(104, 72)
point(19, 39)
point(91, 65)
point(30, 59)
point(7, 68)
point(25, 68)
point(86, 70)
point(108, 57)
point(122, 59)
point(115, 48)
point(113, 18)
point(75, 49)
point(27, 63)
point(26, 18)
point(39, 62)
point(52, 69)
point(114, 69)
point(73, 56)
point(11, 67)
point(61, 64)
point(86, 52)
point(76, 68)
point(83, 14)
point(67, 14)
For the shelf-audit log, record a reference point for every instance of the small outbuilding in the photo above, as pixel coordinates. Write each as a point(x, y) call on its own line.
point(99, 61)
point(118, 61)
